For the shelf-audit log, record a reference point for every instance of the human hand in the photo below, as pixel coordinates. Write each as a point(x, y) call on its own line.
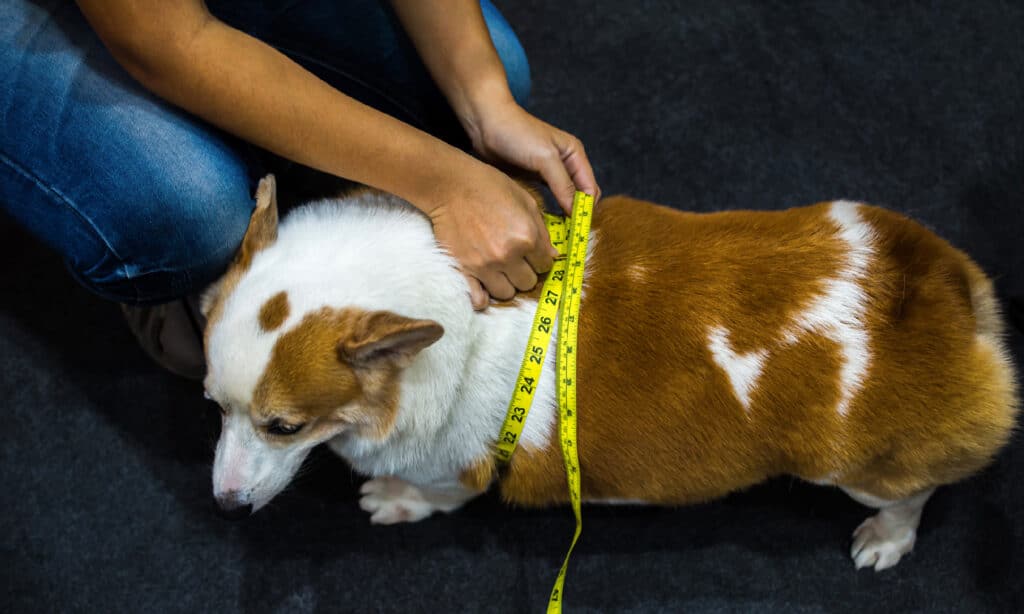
point(505, 132)
point(493, 227)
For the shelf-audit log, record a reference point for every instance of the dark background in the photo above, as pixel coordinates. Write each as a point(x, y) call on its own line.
point(105, 498)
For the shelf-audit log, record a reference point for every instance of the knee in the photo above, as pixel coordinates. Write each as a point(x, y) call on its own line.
point(177, 235)
point(511, 52)
point(213, 211)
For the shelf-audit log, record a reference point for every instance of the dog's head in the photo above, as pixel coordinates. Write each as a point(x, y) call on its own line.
point(290, 372)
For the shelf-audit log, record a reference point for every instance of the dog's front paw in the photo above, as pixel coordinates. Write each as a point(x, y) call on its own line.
point(391, 500)
point(880, 544)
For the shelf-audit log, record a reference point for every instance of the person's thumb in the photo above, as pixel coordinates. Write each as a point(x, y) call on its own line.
point(552, 169)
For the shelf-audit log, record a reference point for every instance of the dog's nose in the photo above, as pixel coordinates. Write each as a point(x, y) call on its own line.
point(231, 509)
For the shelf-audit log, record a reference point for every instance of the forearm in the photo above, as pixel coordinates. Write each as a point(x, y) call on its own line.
point(455, 44)
point(452, 38)
point(249, 89)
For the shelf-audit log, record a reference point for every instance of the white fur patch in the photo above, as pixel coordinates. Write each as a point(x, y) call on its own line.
point(837, 314)
point(391, 500)
point(742, 369)
point(881, 540)
point(828, 479)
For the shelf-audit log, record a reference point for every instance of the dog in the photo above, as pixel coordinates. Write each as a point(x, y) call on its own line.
point(839, 343)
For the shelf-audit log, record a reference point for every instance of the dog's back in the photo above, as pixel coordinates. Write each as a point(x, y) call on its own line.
point(840, 343)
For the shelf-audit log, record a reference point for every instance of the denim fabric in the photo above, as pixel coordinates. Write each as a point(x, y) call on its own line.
point(144, 202)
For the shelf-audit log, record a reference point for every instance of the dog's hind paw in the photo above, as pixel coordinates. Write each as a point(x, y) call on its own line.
point(879, 544)
point(881, 540)
point(391, 500)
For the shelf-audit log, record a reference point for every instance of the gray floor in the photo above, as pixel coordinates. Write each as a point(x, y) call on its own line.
point(702, 105)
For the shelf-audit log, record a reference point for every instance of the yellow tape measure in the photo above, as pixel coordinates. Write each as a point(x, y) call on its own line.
point(537, 347)
point(560, 296)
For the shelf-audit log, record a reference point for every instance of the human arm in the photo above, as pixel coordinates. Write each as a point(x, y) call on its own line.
point(453, 40)
point(238, 83)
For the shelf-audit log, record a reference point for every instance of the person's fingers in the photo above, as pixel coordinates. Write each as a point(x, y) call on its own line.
point(540, 261)
point(477, 295)
point(578, 164)
point(497, 285)
point(522, 275)
point(541, 257)
point(567, 170)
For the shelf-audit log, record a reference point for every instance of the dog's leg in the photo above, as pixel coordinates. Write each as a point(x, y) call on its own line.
point(882, 539)
point(392, 500)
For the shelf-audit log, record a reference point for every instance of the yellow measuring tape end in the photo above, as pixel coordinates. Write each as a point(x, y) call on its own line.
point(560, 298)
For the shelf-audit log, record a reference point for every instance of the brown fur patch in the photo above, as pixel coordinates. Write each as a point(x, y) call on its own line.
point(478, 476)
point(304, 381)
point(262, 230)
point(274, 312)
point(340, 367)
point(658, 418)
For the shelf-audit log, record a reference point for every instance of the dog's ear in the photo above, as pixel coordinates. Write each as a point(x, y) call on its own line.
point(262, 231)
point(382, 338)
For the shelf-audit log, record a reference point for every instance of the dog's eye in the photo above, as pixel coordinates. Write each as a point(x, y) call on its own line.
point(277, 427)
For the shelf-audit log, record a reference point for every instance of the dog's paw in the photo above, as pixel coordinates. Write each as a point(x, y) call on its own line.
point(391, 500)
point(879, 544)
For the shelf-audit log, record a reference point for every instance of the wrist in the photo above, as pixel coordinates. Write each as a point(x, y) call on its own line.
point(437, 178)
point(481, 101)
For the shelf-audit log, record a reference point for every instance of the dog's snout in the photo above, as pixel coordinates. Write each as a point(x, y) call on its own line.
point(232, 508)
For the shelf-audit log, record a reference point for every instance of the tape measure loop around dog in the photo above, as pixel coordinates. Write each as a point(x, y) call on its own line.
point(560, 298)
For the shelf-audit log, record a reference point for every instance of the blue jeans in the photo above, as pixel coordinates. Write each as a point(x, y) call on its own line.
point(144, 202)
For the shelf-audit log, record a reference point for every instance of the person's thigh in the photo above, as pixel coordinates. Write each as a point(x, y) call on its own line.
point(360, 47)
point(144, 203)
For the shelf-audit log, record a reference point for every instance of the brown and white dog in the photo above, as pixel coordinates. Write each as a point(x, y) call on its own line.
point(839, 343)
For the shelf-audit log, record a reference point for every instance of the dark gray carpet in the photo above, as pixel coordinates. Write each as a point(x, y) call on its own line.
point(105, 502)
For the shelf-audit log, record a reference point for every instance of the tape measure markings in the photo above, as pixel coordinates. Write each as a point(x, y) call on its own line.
point(568, 337)
point(560, 298)
point(537, 345)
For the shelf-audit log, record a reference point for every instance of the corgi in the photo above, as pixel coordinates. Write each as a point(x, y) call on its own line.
point(839, 343)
